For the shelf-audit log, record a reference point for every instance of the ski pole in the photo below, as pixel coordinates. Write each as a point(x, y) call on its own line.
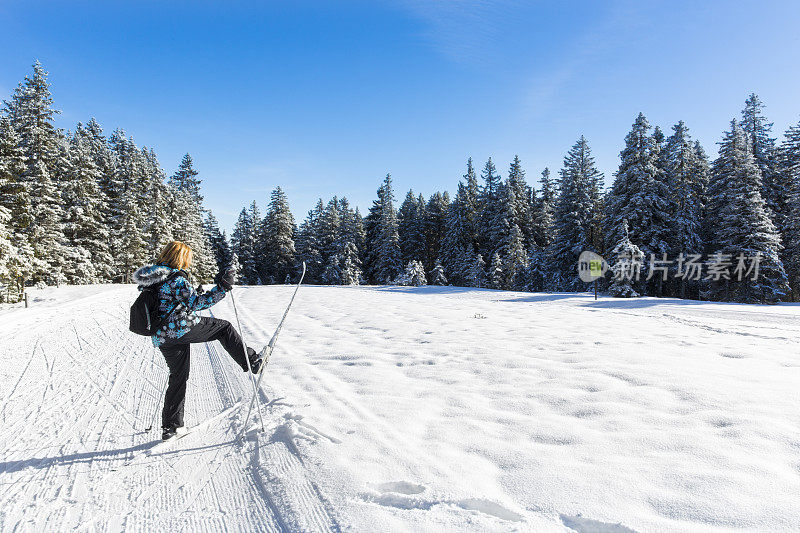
point(268, 351)
point(249, 368)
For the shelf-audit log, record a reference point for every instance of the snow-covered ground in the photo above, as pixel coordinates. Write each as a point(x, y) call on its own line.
point(400, 409)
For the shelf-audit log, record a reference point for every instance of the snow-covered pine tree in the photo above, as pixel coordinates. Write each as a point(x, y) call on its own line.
point(437, 275)
point(220, 248)
point(470, 204)
point(545, 211)
point(308, 246)
point(185, 179)
point(490, 206)
point(790, 172)
point(496, 277)
point(8, 252)
point(188, 214)
point(510, 238)
point(351, 234)
point(476, 276)
point(435, 227)
point(329, 230)
point(412, 276)
point(574, 224)
point(524, 209)
point(160, 225)
point(743, 226)
point(15, 199)
point(131, 246)
point(31, 114)
point(411, 227)
point(515, 260)
point(758, 131)
point(686, 176)
point(627, 264)
point(640, 196)
point(535, 279)
point(84, 226)
point(384, 241)
point(461, 236)
point(243, 244)
point(277, 250)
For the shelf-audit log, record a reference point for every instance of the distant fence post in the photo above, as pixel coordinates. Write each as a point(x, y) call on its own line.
point(27, 299)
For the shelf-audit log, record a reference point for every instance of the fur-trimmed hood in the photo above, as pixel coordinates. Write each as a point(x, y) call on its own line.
point(151, 274)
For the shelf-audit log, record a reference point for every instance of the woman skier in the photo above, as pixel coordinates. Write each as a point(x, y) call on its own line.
point(178, 306)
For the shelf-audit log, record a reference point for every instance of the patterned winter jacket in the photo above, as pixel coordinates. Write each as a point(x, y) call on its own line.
point(176, 291)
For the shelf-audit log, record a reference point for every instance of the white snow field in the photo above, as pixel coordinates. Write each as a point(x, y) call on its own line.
point(408, 409)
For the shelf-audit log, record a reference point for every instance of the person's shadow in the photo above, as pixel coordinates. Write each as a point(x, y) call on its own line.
point(95, 457)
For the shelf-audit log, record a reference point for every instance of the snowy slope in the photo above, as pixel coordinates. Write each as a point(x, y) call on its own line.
point(397, 409)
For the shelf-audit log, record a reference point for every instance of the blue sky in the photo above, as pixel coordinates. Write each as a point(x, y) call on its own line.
point(326, 97)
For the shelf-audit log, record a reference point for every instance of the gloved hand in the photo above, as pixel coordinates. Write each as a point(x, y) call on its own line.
point(225, 279)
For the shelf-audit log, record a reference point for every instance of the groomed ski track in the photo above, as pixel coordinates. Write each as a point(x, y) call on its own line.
point(76, 456)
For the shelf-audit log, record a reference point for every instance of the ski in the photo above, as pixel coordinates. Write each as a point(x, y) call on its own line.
point(266, 352)
point(165, 444)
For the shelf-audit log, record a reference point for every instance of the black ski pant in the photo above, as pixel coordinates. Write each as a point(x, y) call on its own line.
point(176, 353)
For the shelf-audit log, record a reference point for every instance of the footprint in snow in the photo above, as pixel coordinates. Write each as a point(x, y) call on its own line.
point(405, 495)
point(587, 525)
point(403, 487)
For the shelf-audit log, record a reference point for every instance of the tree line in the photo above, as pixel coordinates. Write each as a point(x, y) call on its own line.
point(667, 201)
point(79, 207)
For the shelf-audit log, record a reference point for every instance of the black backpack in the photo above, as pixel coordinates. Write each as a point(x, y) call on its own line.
point(144, 311)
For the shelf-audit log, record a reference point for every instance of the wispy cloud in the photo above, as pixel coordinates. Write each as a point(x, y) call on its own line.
point(466, 31)
point(622, 19)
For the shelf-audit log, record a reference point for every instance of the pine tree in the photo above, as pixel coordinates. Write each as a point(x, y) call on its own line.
point(496, 277)
point(84, 225)
point(351, 273)
point(382, 236)
point(435, 227)
point(437, 275)
point(627, 265)
point(762, 145)
point(640, 195)
point(413, 276)
point(523, 210)
point(132, 248)
point(411, 227)
point(515, 260)
point(489, 201)
point(477, 272)
point(790, 172)
point(277, 247)
point(574, 224)
point(220, 249)
point(16, 202)
point(308, 246)
point(743, 228)
point(686, 177)
point(545, 211)
point(243, 244)
point(460, 240)
point(31, 114)
point(185, 179)
point(350, 235)
point(187, 209)
point(535, 279)
point(8, 252)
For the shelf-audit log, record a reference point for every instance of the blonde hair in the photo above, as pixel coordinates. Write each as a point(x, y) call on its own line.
point(176, 255)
